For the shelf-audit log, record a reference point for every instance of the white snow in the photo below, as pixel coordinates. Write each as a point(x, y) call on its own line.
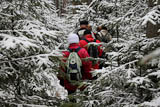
point(11, 42)
point(151, 17)
point(154, 103)
point(157, 73)
point(59, 91)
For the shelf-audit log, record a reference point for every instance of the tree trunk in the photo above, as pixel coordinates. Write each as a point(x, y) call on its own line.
point(152, 30)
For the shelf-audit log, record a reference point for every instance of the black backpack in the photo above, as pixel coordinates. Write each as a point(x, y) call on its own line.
point(92, 49)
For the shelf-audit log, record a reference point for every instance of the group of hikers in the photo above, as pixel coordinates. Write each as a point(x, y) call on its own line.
point(80, 59)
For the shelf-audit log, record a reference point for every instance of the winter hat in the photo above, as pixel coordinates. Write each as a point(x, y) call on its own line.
point(73, 38)
point(84, 22)
point(104, 27)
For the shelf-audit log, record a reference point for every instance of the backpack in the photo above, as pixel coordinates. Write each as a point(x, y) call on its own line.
point(74, 65)
point(105, 37)
point(92, 49)
point(80, 33)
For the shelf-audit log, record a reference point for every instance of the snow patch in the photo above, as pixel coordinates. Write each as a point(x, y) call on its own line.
point(11, 42)
point(153, 103)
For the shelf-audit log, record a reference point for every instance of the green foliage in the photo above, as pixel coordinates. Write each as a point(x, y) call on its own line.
point(26, 42)
point(70, 105)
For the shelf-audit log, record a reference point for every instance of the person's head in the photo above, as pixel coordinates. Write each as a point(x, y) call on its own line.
point(99, 28)
point(87, 32)
point(84, 24)
point(73, 38)
point(89, 27)
point(104, 28)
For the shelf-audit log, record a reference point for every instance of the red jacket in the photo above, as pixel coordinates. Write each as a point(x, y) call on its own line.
point(82, 53)
point(83, 44)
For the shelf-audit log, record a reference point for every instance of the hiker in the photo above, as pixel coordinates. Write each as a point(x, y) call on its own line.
point(98, 29)
point(95, 53)
point(82, 65)
point(103, 35)
point(89, 27)
point(83, 27)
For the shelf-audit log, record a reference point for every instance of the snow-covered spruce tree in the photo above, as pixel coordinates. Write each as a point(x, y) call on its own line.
point(148, 80)
point(73, 15)
point(28, 37)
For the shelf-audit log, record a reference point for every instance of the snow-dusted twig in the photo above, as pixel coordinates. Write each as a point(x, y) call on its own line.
point(7, 15)
point(94, 59)
point(105, 73)
point(26, 30)
point(53, 54)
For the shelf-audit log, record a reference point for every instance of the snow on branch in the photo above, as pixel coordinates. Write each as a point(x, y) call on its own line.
point(54, 53)
point(108, 4)
point(157, 73)
point(106, 72)
point(152, 17)
point(11, 42)
point(6, 15)
point(139, 80)
point(154, 103)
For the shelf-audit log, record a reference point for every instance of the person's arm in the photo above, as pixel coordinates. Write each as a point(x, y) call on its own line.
point(83, 44)
point(99, 48)
point(109, 37)
point(87, 65)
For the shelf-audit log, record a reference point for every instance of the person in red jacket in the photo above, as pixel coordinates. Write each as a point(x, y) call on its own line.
point(83, 44)
point(83, 27)
point(73, 41)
